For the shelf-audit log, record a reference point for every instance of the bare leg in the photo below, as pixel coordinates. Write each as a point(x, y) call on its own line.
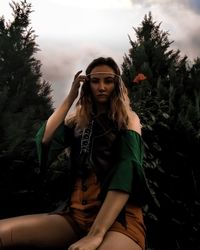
point(40, 230)
point(118, 241)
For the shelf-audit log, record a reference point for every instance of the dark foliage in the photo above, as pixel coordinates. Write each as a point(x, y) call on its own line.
point(167, 102)
point(25, 102)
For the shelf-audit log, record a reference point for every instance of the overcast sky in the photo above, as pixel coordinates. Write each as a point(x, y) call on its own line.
point(71, 33)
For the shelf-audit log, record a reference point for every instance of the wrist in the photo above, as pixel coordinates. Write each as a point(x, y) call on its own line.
point(73, 94)
point(69, 100)
point(98, 232)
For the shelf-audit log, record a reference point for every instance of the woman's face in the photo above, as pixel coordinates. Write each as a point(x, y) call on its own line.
point(102, 83)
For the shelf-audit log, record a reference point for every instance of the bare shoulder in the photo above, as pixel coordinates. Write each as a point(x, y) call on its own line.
point(134, 122)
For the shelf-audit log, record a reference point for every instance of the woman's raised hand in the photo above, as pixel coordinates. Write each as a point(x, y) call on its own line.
point(78, 78)
point(60, 113)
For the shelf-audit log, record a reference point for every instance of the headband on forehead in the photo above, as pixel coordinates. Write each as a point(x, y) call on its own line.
point(104, 73)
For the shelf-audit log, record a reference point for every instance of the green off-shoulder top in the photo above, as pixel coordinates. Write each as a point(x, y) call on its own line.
point(127, 175)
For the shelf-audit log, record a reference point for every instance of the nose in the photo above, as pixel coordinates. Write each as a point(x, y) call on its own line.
point(101, 86)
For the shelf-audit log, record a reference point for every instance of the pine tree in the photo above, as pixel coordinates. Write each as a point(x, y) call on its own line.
point(167, 101)
point(25, 100)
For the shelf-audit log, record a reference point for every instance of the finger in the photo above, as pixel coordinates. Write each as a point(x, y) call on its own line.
point(77, 74)
point(82, 78)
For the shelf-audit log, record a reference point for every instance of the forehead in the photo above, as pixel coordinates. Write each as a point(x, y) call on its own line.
point(102, 68)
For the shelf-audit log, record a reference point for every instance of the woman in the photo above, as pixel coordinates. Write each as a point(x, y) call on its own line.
point(106, 185)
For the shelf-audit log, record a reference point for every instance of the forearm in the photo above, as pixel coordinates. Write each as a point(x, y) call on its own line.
point(60, 113)
point(56, 119)
point(111, 207)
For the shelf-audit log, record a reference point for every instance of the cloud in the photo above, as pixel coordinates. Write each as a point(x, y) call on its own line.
point(178, 18)
point(91, 4)
point(62, 59)
point(72, 33)
point(194, 5)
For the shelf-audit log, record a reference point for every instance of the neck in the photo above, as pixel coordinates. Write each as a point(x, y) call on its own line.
point(101, 108)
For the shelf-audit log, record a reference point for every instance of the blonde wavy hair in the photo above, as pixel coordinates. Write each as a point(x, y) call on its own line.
point(119, 109)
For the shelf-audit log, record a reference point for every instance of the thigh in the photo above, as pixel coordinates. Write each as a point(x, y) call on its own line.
point(41, 230)
point(118, 241)
point(135, 228)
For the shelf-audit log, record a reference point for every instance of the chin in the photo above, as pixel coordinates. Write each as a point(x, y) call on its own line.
point(102, 101)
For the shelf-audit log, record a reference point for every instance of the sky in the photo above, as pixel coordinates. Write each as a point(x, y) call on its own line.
point(71, 33)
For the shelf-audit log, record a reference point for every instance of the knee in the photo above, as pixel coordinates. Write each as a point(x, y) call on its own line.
point(1, 236)
point(5, 235)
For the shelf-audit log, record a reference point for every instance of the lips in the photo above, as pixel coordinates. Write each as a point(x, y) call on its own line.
point(102, 95)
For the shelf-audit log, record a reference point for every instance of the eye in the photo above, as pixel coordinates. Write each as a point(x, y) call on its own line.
point(94, 80)
point(109, 80)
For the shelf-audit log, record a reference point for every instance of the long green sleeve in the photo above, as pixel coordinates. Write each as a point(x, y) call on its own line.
point(61, 139)
point(129, 174)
